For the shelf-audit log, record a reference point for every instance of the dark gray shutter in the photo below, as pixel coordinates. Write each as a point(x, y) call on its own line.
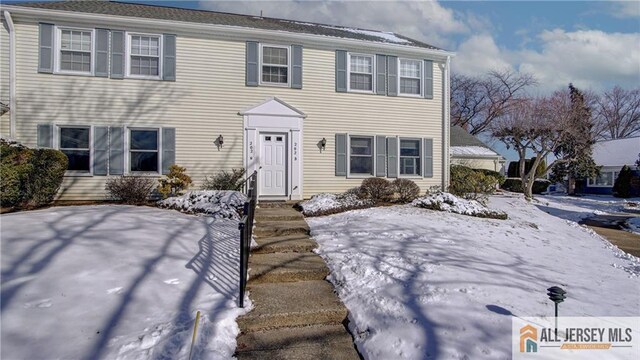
point(341, 154)
point(392, 157)
point(341, 71)
point(169, 58)
point(117, 54)
point(100, 150)
point(392, 75)
point(428, 79)
point(251, 78)
point(45, 54)
point(102, 53)
point(45, 135)
point(428, 158)
point(381, 155)
point(168, 149)
point(381, 70)
point(296, 66)
point(116, 150)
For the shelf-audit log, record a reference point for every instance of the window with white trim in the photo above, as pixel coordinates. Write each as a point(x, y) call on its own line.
point(605, 179)
point(410, 157)
point(144, 150)
point(75, 50)
point(360, 72)
point(410, 77)
point(361, 155)
point(144, 55)
point(274, 64)
point(74, 142)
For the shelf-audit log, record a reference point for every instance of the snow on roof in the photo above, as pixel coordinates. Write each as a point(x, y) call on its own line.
point(387, 36)
point(618, 152)
point(472, 150)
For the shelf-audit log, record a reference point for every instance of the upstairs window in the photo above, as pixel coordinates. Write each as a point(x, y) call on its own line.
point(361, 155)
point(360, 73)
point(74, 143)
point(143, 149)
point(76, 46)
point(275, 65)
point(410, 77)
point(144, 56)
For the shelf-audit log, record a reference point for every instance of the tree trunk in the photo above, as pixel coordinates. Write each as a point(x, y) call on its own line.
point(571, 185)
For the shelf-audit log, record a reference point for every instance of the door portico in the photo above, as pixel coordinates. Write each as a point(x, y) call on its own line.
point(273, 147)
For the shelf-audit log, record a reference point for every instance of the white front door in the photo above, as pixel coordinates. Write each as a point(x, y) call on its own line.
point(273, 164)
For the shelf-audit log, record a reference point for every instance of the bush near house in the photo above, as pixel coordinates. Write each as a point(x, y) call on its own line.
point(29, 177)
point(376, 189)
point(132, 190)
point(442, 201)
point(405, 189)
point(225, 180)
point(175, 182)
point(514, 168)
point(622, 185)
point(472, 184)
point(515, 185)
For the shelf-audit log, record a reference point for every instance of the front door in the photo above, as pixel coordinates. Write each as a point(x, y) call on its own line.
point(273, 164)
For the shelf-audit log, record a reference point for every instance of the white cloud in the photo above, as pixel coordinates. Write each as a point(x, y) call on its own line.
point(426, 21)
point(625, 9)
point(479, 54)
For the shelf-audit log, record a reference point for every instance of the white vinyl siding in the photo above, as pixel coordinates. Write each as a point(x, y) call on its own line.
point(75, 143)
point(360, 68)
point(361, 155)
point(274, 65)
point(410, 77)
point(144, 56)
point(74, 51)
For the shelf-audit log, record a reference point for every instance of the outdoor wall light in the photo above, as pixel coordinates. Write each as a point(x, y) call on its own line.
point(323, 143)
point(219, 142)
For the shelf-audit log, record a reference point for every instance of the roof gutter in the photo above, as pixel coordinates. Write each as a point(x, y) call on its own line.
point(12, 74)
point(231, 32)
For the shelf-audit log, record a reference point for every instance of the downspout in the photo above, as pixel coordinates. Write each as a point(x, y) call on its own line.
point(446, 125)
point(12, 75)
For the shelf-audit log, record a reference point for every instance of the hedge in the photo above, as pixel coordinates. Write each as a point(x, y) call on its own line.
point(515, 185)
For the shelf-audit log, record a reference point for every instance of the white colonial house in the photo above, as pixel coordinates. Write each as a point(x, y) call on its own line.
point(468, 150)
point(129, 89)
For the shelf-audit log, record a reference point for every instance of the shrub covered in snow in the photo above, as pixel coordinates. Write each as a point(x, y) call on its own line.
point(134, 190)
point(225, 180)
point(405, 189)
point(217, 203)
point(450, 203)
point(326, 204)
point(377, 189)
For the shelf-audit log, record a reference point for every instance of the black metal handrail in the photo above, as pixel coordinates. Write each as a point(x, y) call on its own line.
point(246, 230)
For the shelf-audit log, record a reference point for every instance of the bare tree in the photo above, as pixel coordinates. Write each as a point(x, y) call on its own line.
point(617, 113)
point(477, 101)
point(542, 126)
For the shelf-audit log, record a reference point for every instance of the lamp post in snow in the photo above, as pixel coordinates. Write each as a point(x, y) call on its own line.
point(557, 295)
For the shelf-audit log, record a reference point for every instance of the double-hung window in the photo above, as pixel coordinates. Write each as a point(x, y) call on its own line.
point(275, 65)
point(360, 73)
point(410, 77)
point(144, 150)
point(361, 155)
point(75, 50)
point(605, 179)
point(144, 55)
point(75, 144)
point(410, 158)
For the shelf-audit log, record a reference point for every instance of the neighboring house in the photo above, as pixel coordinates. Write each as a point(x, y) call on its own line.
point(131, 89)
point(468, 150)
point(612, 155)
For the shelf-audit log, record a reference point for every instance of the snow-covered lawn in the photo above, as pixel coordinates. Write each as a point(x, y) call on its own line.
point(426, 284)
point(117, 282)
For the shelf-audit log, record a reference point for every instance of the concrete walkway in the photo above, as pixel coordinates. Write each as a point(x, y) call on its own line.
point(296, 313)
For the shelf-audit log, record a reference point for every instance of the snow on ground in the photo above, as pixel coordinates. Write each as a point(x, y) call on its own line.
point(117, 282)
point(224, 204)
point(450, 203)
point(425, 284)
point(330, 203)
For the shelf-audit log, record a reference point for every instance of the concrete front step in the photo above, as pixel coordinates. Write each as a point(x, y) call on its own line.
point(281, 228)
point(310, 342)
point(276, 204)
point(282, 305)
point(278, 214)
point(286, 267)
point(286, 243)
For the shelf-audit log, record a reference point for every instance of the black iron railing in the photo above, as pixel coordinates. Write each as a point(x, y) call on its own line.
point(246, 230)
